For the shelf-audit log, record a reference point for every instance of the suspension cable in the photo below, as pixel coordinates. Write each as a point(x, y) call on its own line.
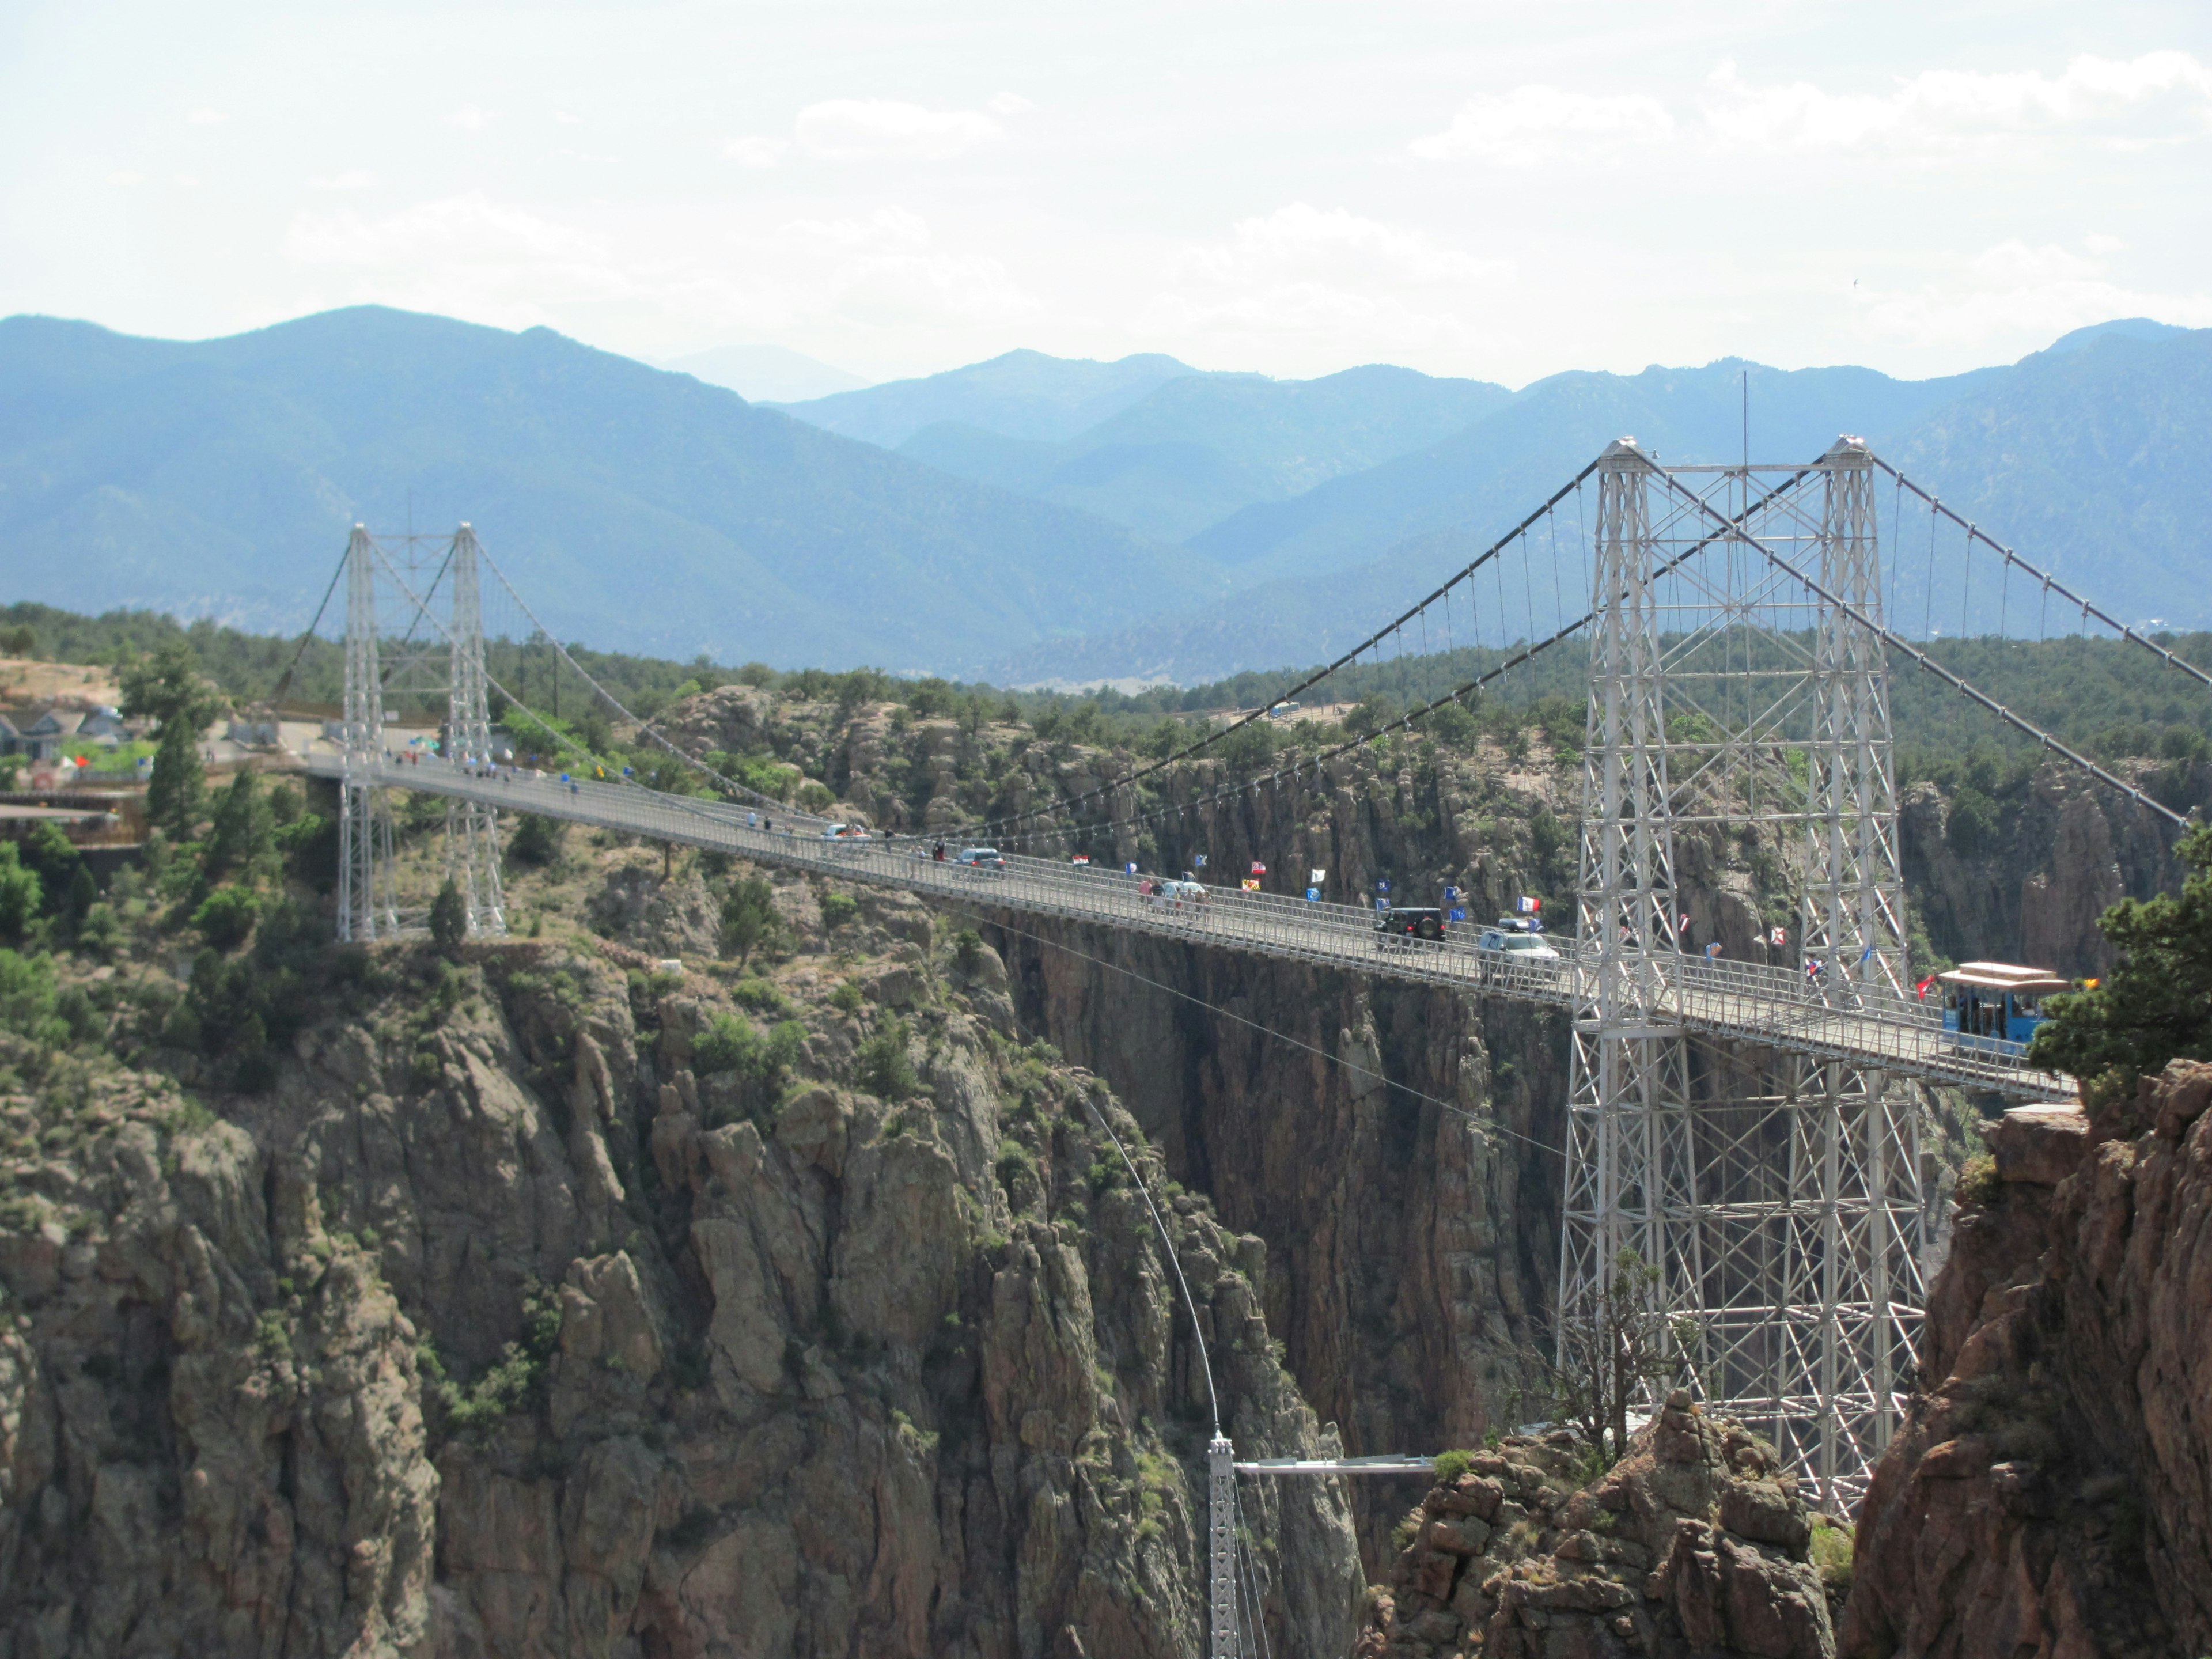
point(2011, 558)
point(1469, 688)
point(1175, 1259)
point(1928, 663)
point(645, 726)
point(1372, 642)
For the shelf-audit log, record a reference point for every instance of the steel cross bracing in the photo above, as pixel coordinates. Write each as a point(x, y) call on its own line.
point(1778, 1191)
point(471, 827)
point(367, 898)
point(1751, 1001)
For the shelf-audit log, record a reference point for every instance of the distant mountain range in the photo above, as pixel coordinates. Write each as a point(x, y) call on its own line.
point(641, 510)
point(1027, 519)
point(764, 374)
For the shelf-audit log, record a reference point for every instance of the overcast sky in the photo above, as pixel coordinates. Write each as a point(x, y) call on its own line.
point(1493, 190)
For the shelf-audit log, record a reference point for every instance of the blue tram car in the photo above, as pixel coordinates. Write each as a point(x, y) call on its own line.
point(1996, 1002)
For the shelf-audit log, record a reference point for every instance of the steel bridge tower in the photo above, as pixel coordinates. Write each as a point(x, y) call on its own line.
point(367, 900)
point(471, 828)
point(1778, 1195)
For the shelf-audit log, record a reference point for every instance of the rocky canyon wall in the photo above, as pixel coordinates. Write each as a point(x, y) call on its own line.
point(548, 1303)
point(2051, 1493)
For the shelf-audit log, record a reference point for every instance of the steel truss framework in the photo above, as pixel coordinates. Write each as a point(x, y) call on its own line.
point(431, 655)
point(1779, 1193)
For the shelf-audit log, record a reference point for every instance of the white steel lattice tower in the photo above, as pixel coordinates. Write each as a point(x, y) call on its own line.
point(1779, 1195)
point(1629, 1174)
point(1221, 1640)
point(1853, 1288)
point(471, 828)
point(367, 900)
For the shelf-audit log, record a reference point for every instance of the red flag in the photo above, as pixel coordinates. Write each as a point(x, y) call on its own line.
point(1921, 989)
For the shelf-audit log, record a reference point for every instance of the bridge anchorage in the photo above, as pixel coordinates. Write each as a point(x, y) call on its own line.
point(1751, 1128)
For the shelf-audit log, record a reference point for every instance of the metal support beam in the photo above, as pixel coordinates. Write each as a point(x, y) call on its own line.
point(1221, 1641)
point(471, 827)
point(1629, 1177)
point(368, 899)
point(1777, 1192)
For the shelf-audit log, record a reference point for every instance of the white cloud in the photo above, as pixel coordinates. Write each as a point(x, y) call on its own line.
point(1303, 240)
point(126, 179)
point(2159, 97)
point(206, 118)
point(756, 152)
point(470, 256)
point(351, 178)
point(877, 128)
point(2014, 289)
point(469, 228)
point(867, 129)
point(470, 118)
point(565, 119)
point(1536, 123)
point(1322, 274)
point(887, 269)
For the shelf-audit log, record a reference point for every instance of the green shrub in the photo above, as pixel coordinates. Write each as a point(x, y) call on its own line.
point(815, 796)
point(1832, 1545)
point(226, 916)
point(731, 1044)
point(536, 841)
point(21, 893)
point(838, 909)
point(449, 917)
point(1977, 1179)
point(1451, 1465)
point(27, 996)
point(882, 1064)
point(750, 921)
point(762, 996)
point(847, 997)
point(515, 1379)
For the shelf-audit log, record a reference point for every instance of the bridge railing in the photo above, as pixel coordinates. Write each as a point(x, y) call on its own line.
point(1768, 1003)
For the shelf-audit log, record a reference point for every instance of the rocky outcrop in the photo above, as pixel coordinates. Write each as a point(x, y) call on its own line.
point(504, 1324)
point(1695, 1543)
point(2050, 1493)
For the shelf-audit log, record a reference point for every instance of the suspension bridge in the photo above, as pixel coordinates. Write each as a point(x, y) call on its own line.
point(1753, 1129)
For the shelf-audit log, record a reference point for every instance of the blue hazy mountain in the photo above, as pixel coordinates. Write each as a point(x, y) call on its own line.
point(645, 510)
point(1199, 448)
point(2087, 457)
point(764, 374)
point(638, 509)
point(1022, 394)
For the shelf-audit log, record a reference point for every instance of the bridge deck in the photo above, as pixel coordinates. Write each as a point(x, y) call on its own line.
point(1753, 1002)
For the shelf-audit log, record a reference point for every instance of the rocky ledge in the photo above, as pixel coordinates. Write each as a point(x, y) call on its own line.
point(1695, 1543)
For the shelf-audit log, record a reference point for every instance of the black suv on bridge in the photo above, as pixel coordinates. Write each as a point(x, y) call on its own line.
point(1406, 923)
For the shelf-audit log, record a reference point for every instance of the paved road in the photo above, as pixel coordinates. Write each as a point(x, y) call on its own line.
point(1757, 1003)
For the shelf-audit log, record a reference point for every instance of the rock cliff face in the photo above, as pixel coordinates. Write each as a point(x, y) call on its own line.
point(2051, 1494)
point(1695, 1543)
point(2027, 882)
point(547, 1304)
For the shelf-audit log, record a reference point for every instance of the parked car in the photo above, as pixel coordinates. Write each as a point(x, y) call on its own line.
point(1517, 951)
point(984, 858)
point(1403, 924)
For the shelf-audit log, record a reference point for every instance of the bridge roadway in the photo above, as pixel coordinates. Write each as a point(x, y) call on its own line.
point(1752, 1002)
